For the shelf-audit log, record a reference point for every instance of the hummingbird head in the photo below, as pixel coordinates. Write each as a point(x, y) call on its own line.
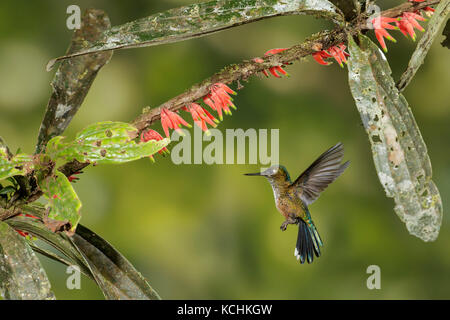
point(274, 173)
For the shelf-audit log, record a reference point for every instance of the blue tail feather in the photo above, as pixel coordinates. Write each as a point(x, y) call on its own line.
point(308, 242)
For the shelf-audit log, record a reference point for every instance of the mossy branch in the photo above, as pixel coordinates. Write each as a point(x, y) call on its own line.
point(248, 68)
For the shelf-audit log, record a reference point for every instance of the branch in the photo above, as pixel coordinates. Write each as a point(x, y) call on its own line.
point(9, 212)
point(243, 71)
point(247, 68)
point(74, 78)
point(201, 19)
point(408, 7)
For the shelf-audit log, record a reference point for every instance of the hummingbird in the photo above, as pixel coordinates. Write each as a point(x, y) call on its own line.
point(293, 198)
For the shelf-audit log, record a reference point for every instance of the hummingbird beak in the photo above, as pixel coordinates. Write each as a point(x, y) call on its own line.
point(253, 174)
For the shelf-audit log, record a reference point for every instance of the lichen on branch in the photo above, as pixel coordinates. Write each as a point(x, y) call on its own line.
point(320, 41)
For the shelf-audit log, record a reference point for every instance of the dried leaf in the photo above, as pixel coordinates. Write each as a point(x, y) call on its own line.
point(399, 152)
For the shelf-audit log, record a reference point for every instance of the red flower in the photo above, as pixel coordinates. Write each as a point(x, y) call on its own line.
point(23, 233)
point(259, 60)
point(428, 11)
point(218, 99)
point(276, 71)
point(337, 52)
point(72, 178)
point(380, 25)
point(319, 56)
point(408, 22)
point(201, 117)
point(274, 51)
point(153, 135)
point(30, 216)
point(172, 120)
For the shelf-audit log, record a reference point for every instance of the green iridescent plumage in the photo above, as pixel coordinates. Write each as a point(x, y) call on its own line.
point(293, 198)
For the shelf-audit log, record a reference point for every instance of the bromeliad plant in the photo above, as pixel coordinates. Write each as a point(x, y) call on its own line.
point(399, 152)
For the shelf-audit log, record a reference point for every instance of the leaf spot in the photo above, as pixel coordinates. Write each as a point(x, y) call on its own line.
point(376, 139)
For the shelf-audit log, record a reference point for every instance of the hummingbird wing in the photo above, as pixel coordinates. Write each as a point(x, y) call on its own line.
point(320, 174)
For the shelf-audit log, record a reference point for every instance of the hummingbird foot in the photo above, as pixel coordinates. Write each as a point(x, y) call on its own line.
point(287, 222)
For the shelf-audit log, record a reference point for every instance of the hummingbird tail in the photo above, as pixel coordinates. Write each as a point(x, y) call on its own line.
point(308, 242)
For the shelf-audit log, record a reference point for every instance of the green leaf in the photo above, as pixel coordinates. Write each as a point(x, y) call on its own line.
point(97, 259)
point(7, 189)
point(63, 203)
point(21, 274)
point(201, 19)
point(20, 164)
point(51, 255)
point(115, 275)
point(398, 150)
point(58, 241)
point(104, 142)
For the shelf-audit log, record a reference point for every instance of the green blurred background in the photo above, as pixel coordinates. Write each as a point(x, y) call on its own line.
point(208, 232)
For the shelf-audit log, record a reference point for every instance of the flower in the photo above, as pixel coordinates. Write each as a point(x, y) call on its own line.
point(30, 216)
point(274, 51)
point(380, 25)
point(172, 120)
point(259, 60)
point(408, 22)
point(428, 11)
point(153, 135)
point(23, 233)
point(337, 52)
point(201, 116)
point(218, 99)
point(73, 178)
point(320, 55)
point(276, 71)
